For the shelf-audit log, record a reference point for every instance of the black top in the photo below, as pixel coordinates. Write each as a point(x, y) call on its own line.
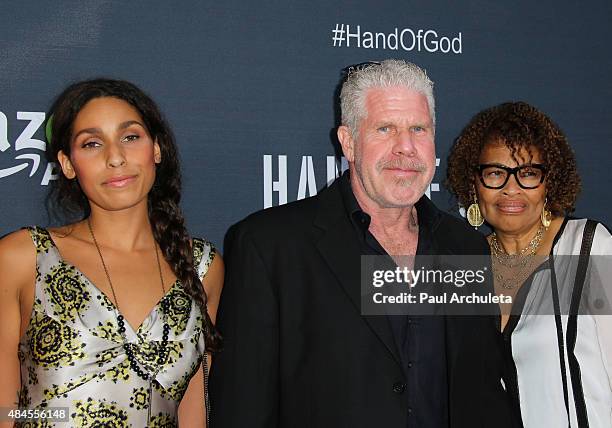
point(419, 339)
point(298, 353)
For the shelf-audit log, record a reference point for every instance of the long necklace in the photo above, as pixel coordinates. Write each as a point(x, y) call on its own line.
point(517, 266)
point(162, 350)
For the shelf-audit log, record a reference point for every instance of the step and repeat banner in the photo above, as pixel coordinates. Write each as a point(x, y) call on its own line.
point(250, 88)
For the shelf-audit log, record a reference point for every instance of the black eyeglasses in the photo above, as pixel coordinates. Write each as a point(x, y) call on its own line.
point(495, 176)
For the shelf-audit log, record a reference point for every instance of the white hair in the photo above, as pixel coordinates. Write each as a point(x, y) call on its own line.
point(388, 73)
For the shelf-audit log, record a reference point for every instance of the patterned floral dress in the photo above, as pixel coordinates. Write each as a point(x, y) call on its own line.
point(73, 356)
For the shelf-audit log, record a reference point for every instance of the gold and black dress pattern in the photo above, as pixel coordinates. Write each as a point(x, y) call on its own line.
point(73, 355)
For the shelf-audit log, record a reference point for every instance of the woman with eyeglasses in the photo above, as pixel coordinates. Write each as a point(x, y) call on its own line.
point(513, 168)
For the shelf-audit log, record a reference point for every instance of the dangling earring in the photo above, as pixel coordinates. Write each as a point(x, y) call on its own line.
point(546, 215)
point(474, 216)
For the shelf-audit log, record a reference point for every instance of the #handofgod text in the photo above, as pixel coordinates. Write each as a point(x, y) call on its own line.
point(412, 277)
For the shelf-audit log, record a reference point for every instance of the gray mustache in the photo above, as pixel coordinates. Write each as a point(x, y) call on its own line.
point(413, 164)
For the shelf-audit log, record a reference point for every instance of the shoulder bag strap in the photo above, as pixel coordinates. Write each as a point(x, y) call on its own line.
point(557, 308)
point(572, 323)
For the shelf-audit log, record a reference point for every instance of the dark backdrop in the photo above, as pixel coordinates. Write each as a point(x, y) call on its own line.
point(249, 84)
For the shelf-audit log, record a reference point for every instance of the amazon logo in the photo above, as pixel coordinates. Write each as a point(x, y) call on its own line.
point(28, 150)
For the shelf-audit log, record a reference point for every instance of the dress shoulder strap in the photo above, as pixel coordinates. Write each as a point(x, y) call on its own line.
point(41, 239)
point(203, 254)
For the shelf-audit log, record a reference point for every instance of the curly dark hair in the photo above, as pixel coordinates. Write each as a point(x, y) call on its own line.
point(517, 125)
point(165, 214)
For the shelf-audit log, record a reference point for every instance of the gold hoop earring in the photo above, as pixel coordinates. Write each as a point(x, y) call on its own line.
point(546, 215)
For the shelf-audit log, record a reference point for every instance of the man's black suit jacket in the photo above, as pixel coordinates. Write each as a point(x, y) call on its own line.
point(297, 351)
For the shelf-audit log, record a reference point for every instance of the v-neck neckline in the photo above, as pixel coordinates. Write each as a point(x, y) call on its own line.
point(104, 296)
point(521, 296)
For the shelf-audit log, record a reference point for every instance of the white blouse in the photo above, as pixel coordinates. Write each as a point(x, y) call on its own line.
point(534, 342)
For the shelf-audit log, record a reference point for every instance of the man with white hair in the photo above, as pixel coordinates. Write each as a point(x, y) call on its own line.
point(299, 352)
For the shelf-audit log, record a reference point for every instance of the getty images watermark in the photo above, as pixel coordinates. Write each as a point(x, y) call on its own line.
point(407, 39)
point(472, 285)
point(425, 285)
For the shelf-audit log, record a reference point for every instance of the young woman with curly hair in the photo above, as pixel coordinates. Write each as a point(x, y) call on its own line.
point(111, 316)
point(513, 168)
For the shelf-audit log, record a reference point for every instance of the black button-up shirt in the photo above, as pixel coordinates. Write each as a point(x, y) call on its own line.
point(420, 340)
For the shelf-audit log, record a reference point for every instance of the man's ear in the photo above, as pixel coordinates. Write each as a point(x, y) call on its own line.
point(347, 142)
point(66, 164)
point(157, 152)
